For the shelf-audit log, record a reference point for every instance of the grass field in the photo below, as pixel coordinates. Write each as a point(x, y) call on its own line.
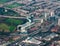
point(14, 5)
point(9, 24)
point(4, 27)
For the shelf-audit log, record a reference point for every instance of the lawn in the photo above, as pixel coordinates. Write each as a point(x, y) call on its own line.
point(14, 5)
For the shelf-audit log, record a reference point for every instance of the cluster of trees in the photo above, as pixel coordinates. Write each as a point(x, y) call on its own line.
point(8, 12)
point(13, 22)
point(5, 28)
point(9, 25)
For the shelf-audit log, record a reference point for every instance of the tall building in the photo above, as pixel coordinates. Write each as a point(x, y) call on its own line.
point(59, 22)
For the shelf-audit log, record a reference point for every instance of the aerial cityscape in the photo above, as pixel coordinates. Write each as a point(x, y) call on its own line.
point(29, 22)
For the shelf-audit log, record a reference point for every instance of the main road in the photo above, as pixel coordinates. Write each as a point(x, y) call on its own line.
point(2, 16)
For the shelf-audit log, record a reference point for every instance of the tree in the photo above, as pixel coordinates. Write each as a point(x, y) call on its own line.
point(4, 27)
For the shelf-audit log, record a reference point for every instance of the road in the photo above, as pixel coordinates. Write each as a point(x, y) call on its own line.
point(2, 16)
point(24, 37)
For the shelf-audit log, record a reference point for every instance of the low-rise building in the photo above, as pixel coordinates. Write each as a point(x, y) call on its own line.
point(56, 29)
